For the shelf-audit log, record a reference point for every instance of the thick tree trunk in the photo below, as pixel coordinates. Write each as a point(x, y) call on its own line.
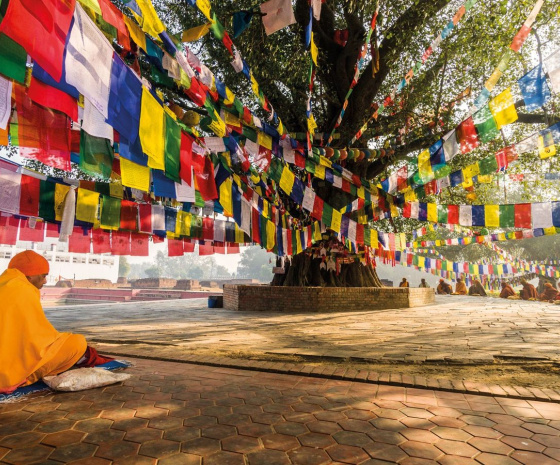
point(303, 270)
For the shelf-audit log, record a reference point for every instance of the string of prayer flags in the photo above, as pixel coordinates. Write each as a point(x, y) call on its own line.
point(551, 64)
point(534, 89)
point(277, 14)
point(502, 108)
point(152, 130)
point(196, 33)
point(87, 205)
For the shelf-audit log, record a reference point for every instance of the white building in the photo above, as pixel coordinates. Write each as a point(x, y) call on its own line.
point(64, 264)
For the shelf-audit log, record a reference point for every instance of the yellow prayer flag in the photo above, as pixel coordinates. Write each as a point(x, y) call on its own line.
point(254, 84)
point(196, 33)
point(136, 34)
point(93, 5)
point(185, 81)
point(60, 192)
point(205, 7)
point(470, 171)
point(151, 130)
point(86, 205)
point(493, 80)
point(217, 125)
point(314, 51)
point(421, 262)
point(280, 128)
point(179, 223)
point(270, 235)
point(485, 178)
point(410, 195)
point(239, 235)
point(492, 216)
point(232, 120)
point(298, 241)
point(230, 97)
point(546, 147)
point(287, 180)
point(115, 186)
point(424, 166)
point(135, 176)
point(549, 231)
point(324, 161)
point(226, 200)
point(336, 220)
point(265, 209)
point(264, 140)
point(374, 240)
point(432, 213)
point(320, 172)
point(316, 231)
point(503, 109)
point(361, 192)
point(311, 125)
point(151, 23)
point(468, 182)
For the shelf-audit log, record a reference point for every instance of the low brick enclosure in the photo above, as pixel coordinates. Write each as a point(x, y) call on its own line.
point(323, 299)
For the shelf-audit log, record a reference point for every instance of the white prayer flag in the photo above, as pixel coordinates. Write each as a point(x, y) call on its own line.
point(279, 14)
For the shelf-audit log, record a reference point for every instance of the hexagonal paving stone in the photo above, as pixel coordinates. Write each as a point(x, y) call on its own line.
point(268, 457)
point(477, 420)
point(387, 437)
point(267, 418)
point(421, 450)
point(181, 459)
point(21, 440)
point(184, 412)
point(388, 424)
point(347, 454)
point(482, 432)
point(317, 440)
point(291, 428)
point(159, 448)
point(351, 438)
point(234, 419)
point(420, 435)
point(151, 412)
point(129, 423)
point(492, 446)
point(279, 442)
point(32, 454)
point(165, 423)
point(142, 435)
point(72, 452)
point(105, 436)
point(92, 425)
point(185, 433)
point(308, 456)
point(328, 415)
point(387, 452)
point(201, 446)
point(54, 426)
point(359, 415)
point(531, 458)
point(255, 429)
point(456, 448)
point(218, 431)
point(522, 443)
point(454, 434)
point(358, 426)
point(326, 427)
point(63, 437)
point(200, 421)
point(117, 450)
point(40, 417)
point(241, 444)
point(547, 440)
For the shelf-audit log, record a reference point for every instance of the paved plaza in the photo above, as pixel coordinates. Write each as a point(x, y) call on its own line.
point(176, 413)
point(455, 329)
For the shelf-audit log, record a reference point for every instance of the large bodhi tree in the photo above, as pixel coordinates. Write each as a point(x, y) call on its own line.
point(426, 109)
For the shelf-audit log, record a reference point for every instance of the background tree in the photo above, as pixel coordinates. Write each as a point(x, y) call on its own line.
point(124, 267)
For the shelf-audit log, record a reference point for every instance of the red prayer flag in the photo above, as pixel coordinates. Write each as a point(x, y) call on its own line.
point(453, 214)
point(120, 243)
point(27, 233)
point(317, 212)
point(207, 229)
point(52, 230)
point(205, 248)
point(145, 213)
point(188, 246)
point(8, 230)
point(40, 27)
point(255, 230)
point(185, 160)
point(197, 92)
point(112, 15)
point(519, 38)
point(175, 248)
point(232, 248)
point(80, 240)
point(29, 198)
point(346, 186)
point(523, 216)
point(157, 239)
point(205, 182)
point(289, 241)
point(467, 136)
point(219, 247)
point(140, 245)
point(101, 241)
point(407, 210)
point(228, 43)
point(129, 215)
point(51, 97)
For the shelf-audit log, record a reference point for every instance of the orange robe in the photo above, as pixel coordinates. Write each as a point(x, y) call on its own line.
point(549, 294)
point(528, 292)
point(461, 288)
point(30, 347)
point(507, 291)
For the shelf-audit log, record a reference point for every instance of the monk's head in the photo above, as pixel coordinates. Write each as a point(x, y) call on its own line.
point(523, 282)
point(504, 283)
point(34, 266)
point(548, 285)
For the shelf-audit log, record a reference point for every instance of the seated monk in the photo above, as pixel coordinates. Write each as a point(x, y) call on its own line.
point(477, 288)
point(549, 292)
point(507, 290)
point(444, 288)
point(403, 283)
point(528, 291)
point(30, 347)
point(460, 288)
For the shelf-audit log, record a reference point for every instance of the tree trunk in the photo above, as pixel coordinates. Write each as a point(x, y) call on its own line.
point(303, 270)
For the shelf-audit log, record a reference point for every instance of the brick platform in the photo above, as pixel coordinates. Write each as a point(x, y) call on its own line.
point(323, 299)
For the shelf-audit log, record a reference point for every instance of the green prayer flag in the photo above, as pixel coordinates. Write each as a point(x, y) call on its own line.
point(367, 237)
point(103, 188)
point(238, 106)
point(46, 200)
point(96, 155)
point(163, 79)
point(250, 133)
point(172, 148)
point(485, 124)
point(199, 201)
point(13, 59)
point(110, 212)
point(327, 215)
point(442, 214)
point(217, 28)
point(507, 216)
point(488, 165)
point(309, 166)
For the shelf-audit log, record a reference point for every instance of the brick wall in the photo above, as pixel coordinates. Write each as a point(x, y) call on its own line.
point(187, 284)
point(323, 299)
point(154, 283)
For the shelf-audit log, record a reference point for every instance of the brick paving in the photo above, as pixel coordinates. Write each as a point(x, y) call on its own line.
point(456, 329)
point(180, 413)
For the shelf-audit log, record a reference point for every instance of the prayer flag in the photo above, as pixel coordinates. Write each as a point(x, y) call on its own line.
point(40, 27)
point(278, 15)
point(172, 148)
point(552, 66)
point(86, 206)
point(541, 214)
point(10, 191)
point(134, 175)
point(80, 240)
point(466, 133)
point(120, 243)
point(13, 59)
point(110, 216)
point(29, 196)
point(96, 155)
point(152, 130)
point(485, 124)
point(197, 32)
point(51, 97)
point(151, 23)
point(503, 108)
point(534, 89)
point(523, 216)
